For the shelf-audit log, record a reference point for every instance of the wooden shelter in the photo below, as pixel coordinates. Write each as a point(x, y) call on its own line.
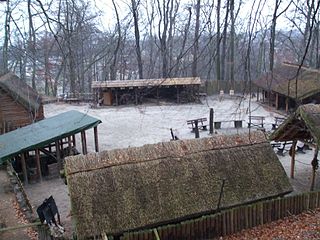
point(303, 125)
point(278, 88)
point(20, 105)
point(38, 149)
point(125, 189)
point(135, 91)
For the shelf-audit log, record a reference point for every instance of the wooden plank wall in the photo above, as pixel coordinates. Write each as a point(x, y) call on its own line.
point(232, 220)
point(13, 115)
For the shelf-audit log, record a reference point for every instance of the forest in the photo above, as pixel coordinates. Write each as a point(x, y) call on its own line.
point(62, 46)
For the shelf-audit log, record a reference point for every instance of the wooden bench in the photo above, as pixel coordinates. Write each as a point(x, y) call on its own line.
point(277, 122)
point(280, 146)
point(237, 123)
point(201, 122)
point(256, 121)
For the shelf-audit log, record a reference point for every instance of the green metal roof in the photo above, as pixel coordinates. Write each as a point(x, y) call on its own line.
point(44, 132)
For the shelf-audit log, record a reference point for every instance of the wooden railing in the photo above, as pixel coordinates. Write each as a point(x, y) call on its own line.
point(232, 220)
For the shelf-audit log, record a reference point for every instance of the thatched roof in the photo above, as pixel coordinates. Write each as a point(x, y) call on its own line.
point(303, 124)
point(20, 91)
point(283, 80)
point(125, 189)
point(147, 82)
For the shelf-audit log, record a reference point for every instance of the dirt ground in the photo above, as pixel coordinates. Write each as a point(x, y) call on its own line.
point(8, 214)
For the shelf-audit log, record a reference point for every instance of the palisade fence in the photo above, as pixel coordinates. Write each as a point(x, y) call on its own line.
point(232, 220)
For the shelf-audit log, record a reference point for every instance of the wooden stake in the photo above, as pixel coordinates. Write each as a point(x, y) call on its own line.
point(24, 168)
point(96, 142)
point(38, 164)
point(293, 155)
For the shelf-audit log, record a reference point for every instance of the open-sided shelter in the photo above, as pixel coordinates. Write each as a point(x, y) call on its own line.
point(124, 189)
point(20, 105)
point(118, 92)
point(302, 125)
point(51, 136)
point(289, 86)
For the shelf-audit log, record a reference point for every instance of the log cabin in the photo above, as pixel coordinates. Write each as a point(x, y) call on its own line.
point(20, 105)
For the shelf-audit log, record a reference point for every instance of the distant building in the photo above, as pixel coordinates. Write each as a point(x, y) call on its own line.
point(137, 91)
point(286, 87)
point(20, 105)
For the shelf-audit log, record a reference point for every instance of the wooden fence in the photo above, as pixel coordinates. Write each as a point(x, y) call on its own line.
point(232, 220)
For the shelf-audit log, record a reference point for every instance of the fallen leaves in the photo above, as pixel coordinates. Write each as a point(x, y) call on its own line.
point(302, 226)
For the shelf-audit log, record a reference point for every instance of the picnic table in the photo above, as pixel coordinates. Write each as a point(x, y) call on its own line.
point(200, 123)
point(256, 121)
point(277, 122)
point(237, 123)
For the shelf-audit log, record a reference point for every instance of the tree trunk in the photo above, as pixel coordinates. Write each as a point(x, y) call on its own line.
point(196, 41)
point(218, 74)
point(137, 37)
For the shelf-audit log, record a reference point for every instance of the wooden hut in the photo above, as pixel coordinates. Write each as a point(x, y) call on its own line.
point(126, 189)
point(288, 86)
point(20, 105)
point(302, 125)
point(135, 91)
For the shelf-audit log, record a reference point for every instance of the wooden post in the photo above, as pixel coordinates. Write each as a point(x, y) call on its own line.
point(24, 168)
point(315, 165)
point(38, 164)
point(287, 104)
point(157, 95)
point(263, 96)
point(70, 145)
point(196, 129)
point(58, 154)
point(258, 90)
point(117, 101)
point(277, 101)
point(211, 121)
point(84, 142)
point(96, 142)
point(136, 95)
point(74, 140)
point(178, 94)
point(293, 155)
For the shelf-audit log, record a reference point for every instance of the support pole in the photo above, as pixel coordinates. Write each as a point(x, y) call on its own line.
point(277, 101)
point(117, 101)
point(38, 164)
point(315, 165)
point(74, 140)
point(293, 155)
point(69, 145)
point(24, 168)
point(196, 129)
point(58, 154)
point(287, 104)
point(84, 142)
point(178, 94)
point(96, 142)
point(136, 95)
point(211, 121)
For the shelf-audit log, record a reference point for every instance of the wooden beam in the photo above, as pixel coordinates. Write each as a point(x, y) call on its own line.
point(293, 155)
point(96, 142)
point(211, 121)
point(84, 142)
point(24, 168)
point(38, 164)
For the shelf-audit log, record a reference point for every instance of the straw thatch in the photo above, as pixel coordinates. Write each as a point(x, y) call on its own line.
point(147, 82)
point(20, 91)
point(284, 78)
point(303, 124)
point(125, 189)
